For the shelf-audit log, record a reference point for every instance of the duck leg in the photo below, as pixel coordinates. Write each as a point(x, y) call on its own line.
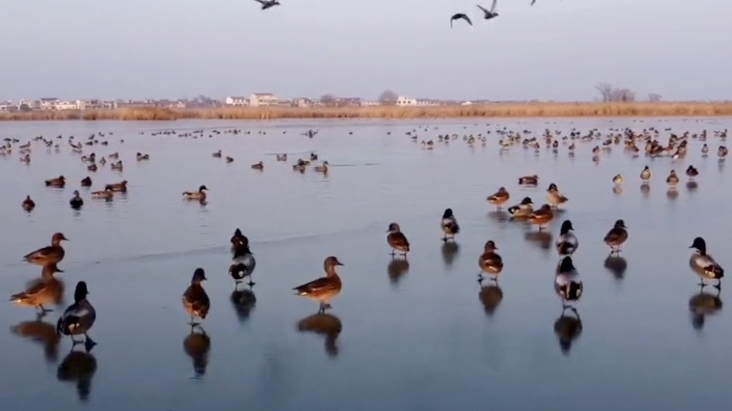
point(88, 342)
point(719, 285)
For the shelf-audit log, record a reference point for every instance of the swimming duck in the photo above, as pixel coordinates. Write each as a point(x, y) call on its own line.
point(76, 201)
point(541, 216)
point(195, 299)
point(672, 179)
point(722, 151)
point(142, 157)
point(196, 195)
point(243, 264)
point(239, 240)
point(325, 288)
point(86, 182)
point(705, 150)
point(59, 182)
point(618, 180)
point(616, 236)
point(529, 180)
point(645, 175)
point(692, 172)
point(554, 197)
point(449, 225)
point(499, 197)
point(44, 292)
point(92, 168)
point(313, 157)
point(79, 317)
point(523, 209)
point(258, 166)
point(397, 240)
point(217, 154)
point(120, 187)
point(116, 166)
point(322, 168)
point(25, 159)
point(281, 157)
point(229, 159)
point(51, 254)
point(106, 194)
point(704, 265)
point(28, 204)
point(567, 283)
point(567, 242)
point(490, 262)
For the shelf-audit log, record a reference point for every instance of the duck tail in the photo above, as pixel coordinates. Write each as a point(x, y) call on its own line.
point(17, 297)
point(718, 272)
point(512, 210)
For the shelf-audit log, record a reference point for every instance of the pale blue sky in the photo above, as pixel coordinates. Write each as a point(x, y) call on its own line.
point(558, 49)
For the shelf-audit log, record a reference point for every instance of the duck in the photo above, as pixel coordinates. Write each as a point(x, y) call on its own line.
point(76, 201)
point(567, 283)
point(238, 240)
point(522, 209)
point(79, 317)
point(672, 179)
point(541, 216)
point(243, 264)
point(325, 288)
point(499, 197)
point(44, 292)
point(51, 254)
point(106, 194)
point(59, 182)
point(217, 154)
point(567, 242)
point(323, 168)
point(490, 262)
point(692, 172)
point(93, 167)
point(722, 152)
point(449, 225)
point(120, 187)
point(313, 157)
point(229, 159)
point(26, 159)
point(529, 180)
point(28, 204)
point(616, 236)
point(142, 157)
point(618, 180)
point(704, 265)
point(196, 195)
point(705, 150)
point(554, 197)
point(282, 157)
point(397, 240)
point(258, 166)
point(195, 299)
point(645, 175)
point(86, 182)
point(116, 166)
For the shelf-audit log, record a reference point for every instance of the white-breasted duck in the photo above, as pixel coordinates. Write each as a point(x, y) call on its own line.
point(704, 265)
point(567, 242)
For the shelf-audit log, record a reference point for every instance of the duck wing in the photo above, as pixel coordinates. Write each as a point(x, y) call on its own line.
point(44, 252)
point(450, 225)
point(71, 318)
point(399, 240)
point(320, 285)
point(196, 301)
point(262, 2)
point(493, 7)
point(485, 11)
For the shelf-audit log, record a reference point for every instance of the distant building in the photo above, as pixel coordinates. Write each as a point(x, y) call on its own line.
point(236, 101)
point(263, 99)
point(95, 104)
point(65, 105)
point(404, 101)
point(369, 103)
point(302, 102)
point(348, 101)
point(47, 103)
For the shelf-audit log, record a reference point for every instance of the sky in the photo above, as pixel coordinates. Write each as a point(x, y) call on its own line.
point(555, 50)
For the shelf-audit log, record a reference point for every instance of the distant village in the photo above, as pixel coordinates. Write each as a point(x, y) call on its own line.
point(254, 100)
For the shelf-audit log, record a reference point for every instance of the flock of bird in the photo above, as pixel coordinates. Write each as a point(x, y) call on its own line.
point(79, 317)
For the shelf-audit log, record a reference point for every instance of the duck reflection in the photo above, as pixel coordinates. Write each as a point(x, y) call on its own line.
point(618, 190)
point(541, 238)
point(42, 332)
point(490, 296)
point(449, 251)
point(78, 366)
point(568, 328)
point(323, 324)
point(702, 305)
point(42, 291)
point(645, 189)
point(617, 265)
point(398, 268)
point(498, 216)
point(243, 302)
point(672, 193)
point(196, 345)
point(692, 186)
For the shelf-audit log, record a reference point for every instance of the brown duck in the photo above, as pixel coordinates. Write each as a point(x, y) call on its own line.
point(325, 288)
point(86, 182)
point(196, 195)
point(44, 292)
point(195, 299)
point(120, 187)
point(397, 240)
point(28, 204)
point(617, 236)
point(499, 198)
point(529, 180)
point(59, 182)
point(51, 254)
point(490, 262)
point(541, 216)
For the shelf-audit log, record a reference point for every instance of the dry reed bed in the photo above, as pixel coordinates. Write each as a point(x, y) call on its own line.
point(680, 109)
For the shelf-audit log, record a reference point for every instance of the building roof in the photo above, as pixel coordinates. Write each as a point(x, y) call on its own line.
point(264, 94)
point(238, 98)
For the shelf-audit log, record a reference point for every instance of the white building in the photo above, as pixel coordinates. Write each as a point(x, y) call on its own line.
point(404, 101)
point(65, 105)
point(263, 99)
point(237, 101)
point(48, 103)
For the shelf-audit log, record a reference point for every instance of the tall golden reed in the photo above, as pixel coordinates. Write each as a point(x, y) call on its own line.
point(679, 109)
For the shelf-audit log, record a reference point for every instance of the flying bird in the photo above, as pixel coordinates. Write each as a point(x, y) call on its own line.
point(458, 16)
point(268, 3)
point(489, 14)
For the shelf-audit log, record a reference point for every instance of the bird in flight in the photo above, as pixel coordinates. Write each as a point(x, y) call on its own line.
point(268, 3)
point(310, 133)
point(532, 2)
point(458, 16)
point(489, 14)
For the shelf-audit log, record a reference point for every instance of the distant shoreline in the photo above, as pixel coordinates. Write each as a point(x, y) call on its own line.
point(497, 110)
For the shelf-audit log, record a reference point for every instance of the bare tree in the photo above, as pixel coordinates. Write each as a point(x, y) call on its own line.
point(388, 97)
point(654, 97)
point(606, 92)
point(609, 93)
point(328, 99)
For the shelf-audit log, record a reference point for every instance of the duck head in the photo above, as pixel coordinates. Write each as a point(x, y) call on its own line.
point(552, 187)
point(57, 238)
point(202, 188)
point(566, 227)
point(393, 228)
point(490, 246)
point(620, 224)
point(700, 245)
point(331, 262)
point(76, 193)
point(566, 265)
point(447, 213)
point(526, 201)
point(198, 276)
point(81, 291)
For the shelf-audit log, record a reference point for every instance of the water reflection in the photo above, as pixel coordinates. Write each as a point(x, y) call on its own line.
point(196, 345)
point(617, 265)
point(568, 328)
point(498, 216)
point(692, 186)
point(645, 189)
point(490, 296)
point(243, 302)
point(703, 304)
point(323, 324)
point(450, 250)
point(41, 332)
point(79, 367)
point(543, 239)
point(672, 193)
point(397, 268)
